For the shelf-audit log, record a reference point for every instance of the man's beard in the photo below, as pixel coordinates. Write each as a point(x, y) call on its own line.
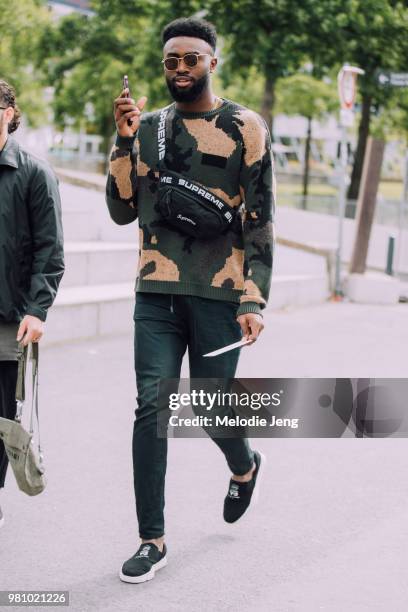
point(192, 93)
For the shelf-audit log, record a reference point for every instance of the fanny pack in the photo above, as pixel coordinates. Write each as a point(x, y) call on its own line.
point(185, 204)
point(26, 464)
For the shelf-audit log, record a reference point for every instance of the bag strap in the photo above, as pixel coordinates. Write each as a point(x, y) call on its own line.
point(206, 197)
point(227, 212)
point(20, 389)
point(161, 135)
point(34, 399)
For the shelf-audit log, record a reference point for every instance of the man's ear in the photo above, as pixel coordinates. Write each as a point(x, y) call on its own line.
point(213, 64)
point(9, 114)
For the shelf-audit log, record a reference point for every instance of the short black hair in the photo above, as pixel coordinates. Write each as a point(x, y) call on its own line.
point(191, 26)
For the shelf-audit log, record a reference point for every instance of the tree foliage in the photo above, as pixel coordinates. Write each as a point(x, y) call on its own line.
point(371, 34)
point(21, 26)
point(261, 43)
point(87, 56)
point(266, 35)
point(302, 94)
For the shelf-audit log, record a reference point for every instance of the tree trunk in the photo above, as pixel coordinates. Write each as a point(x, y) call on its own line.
point(268, 102)
point(366, 204)
point(306, 162)
point(363, 132)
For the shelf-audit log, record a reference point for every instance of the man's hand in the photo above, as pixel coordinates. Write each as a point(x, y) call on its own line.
point(125, 108)
point(251, 325)
point(31, 330)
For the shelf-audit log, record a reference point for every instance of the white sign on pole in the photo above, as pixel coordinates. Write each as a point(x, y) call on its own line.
point(347, 85)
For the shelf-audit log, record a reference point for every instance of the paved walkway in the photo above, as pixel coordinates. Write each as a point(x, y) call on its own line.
point(330, 534)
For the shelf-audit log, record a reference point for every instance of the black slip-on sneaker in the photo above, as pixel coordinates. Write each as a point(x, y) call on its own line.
point(243, 494)
point(144, 563)
point(1, 518)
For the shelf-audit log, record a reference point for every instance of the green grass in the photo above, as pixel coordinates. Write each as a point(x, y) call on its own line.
point(390, 190)
point(296, 189)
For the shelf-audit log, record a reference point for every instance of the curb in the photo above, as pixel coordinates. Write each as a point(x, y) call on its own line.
point(81, 181)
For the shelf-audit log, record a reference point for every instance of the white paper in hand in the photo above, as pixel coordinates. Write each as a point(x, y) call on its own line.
point(227, 348)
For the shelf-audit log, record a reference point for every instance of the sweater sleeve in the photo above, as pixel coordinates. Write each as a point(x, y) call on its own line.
point(257, 179)
point(121, 185)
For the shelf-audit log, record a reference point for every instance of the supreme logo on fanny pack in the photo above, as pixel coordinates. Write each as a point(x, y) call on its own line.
point(204, 193)
point(187, 219)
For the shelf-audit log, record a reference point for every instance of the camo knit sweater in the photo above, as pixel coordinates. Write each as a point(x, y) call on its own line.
point(226, 150)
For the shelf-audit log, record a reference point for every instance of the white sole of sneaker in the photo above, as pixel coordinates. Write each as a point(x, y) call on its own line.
point(255, 494)
point(148, 576)
point(1, 522)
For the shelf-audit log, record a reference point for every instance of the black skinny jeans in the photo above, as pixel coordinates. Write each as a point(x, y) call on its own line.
point(8, 382)
point(165, 326)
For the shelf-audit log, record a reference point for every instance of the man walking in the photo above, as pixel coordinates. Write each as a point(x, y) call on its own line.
point(31, 253)
point(184, 171)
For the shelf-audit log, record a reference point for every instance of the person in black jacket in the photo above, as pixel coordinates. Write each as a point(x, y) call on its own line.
point(31, 252)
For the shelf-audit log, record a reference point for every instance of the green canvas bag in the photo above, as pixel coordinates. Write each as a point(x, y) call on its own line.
point(26, 463)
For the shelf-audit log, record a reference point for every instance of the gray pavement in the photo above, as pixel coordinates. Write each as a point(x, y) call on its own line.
point(330, 532)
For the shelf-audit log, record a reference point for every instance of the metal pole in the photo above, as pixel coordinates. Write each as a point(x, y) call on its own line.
point(402, 204)
point(390, 255)
point(346, 83)
point(341, 209)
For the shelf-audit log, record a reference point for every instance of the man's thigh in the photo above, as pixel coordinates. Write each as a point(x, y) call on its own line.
point(214, 325)
point(160, 342)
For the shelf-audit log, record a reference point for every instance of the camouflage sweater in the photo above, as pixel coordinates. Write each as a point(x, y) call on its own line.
point(226, 150)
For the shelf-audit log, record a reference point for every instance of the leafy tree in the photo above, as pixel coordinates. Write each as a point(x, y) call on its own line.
point(21, 27)
point(275, 36)
point(371, 34)
point(261, 42)
point(302, 94)
point(268, 35)
point(392, 120)
point(87, 56)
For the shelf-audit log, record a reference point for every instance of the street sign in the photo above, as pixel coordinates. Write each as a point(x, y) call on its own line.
point(347, 89)
point(347, 85)
point(392, 79)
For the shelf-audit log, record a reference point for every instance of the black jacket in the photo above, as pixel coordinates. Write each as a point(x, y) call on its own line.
point(31, 239)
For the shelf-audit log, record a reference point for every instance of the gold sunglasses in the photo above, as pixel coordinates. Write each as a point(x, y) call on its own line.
point(190, 60)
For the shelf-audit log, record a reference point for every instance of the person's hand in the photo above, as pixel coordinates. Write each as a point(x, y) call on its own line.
point(251, 325)
point(125, 108)
point(31, 330)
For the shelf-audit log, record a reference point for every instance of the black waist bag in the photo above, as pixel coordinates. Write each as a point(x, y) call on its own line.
point(186, 205)
point(191, 208)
